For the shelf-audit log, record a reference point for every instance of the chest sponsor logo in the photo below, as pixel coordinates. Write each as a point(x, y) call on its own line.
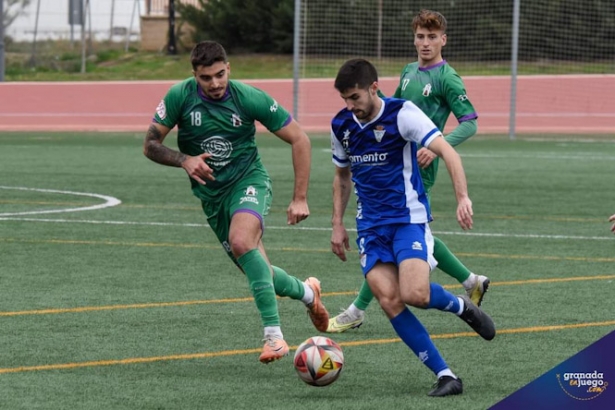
point(370, 158)
point(220, 150)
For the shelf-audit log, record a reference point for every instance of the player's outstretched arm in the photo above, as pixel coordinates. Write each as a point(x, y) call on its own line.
point(292, 133)
point(154, 149)
point(455, 169)
point(342, 185)
point(463, 131)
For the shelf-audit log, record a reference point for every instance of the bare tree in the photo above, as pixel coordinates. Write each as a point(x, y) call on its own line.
point(13, 9)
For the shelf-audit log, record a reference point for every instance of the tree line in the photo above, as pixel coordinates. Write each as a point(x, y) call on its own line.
point(480, 31)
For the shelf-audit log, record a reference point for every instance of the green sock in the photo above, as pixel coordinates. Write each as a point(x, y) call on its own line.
point(364, 297)
point(448, 262)
point(286, 285)
point(261, 284)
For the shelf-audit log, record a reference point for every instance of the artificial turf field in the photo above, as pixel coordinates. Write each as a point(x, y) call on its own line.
point(135, 305)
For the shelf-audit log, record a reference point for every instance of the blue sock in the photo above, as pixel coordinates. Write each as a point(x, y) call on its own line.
point(413, 333)
point(442, 299)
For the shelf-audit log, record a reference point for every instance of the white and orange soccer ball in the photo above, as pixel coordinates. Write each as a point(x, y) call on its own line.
point(319, 361)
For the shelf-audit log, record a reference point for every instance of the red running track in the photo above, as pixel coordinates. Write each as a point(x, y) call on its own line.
point(545, 104)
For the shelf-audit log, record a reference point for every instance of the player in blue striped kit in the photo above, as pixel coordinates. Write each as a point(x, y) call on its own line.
point(374, 144)
point(436, 88)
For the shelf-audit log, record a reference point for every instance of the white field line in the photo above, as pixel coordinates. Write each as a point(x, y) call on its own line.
point(579, 156)
point(109, 202)
point(304, 228)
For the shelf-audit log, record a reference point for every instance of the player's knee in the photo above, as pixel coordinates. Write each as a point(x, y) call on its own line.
point(416, 298)
point(391, 305)
point(238, 251)
point(240, 246)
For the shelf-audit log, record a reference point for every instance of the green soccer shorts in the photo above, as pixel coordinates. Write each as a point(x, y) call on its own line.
point(252, 194)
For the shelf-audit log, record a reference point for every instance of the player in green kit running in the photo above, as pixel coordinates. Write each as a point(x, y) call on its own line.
point(216, 138)
point(436, 88)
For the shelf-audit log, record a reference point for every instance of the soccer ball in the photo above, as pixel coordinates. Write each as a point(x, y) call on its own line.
point(319, 361)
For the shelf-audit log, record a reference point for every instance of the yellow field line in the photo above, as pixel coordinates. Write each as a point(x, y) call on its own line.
point(128, 306)
point(535, 257)
point(205, 355)
point(111, 243)
point(248, 299)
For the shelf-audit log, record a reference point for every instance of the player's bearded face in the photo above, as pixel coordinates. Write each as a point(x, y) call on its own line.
point(365, 106)
point(362, 103)
point(213, 79)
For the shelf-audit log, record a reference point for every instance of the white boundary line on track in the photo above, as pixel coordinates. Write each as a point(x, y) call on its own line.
point(109, 202)
point(314, 114)
point(311, 80)
point(305, 228)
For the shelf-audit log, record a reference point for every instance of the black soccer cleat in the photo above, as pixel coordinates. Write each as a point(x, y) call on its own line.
point(477, 319)
point(446, 386)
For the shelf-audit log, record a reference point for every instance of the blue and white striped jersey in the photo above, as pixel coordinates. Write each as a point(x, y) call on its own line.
point(382, 159)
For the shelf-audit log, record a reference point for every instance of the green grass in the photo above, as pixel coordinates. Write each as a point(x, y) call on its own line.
point(59, 61)
point(137, 307)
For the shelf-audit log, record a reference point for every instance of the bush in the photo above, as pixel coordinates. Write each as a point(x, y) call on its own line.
point(260, 26)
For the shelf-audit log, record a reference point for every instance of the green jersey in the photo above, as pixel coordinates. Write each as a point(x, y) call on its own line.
point(437, 90)
point(224, 128)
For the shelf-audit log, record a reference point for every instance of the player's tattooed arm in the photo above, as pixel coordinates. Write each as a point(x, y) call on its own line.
point(195, 166)
point(154, 149)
